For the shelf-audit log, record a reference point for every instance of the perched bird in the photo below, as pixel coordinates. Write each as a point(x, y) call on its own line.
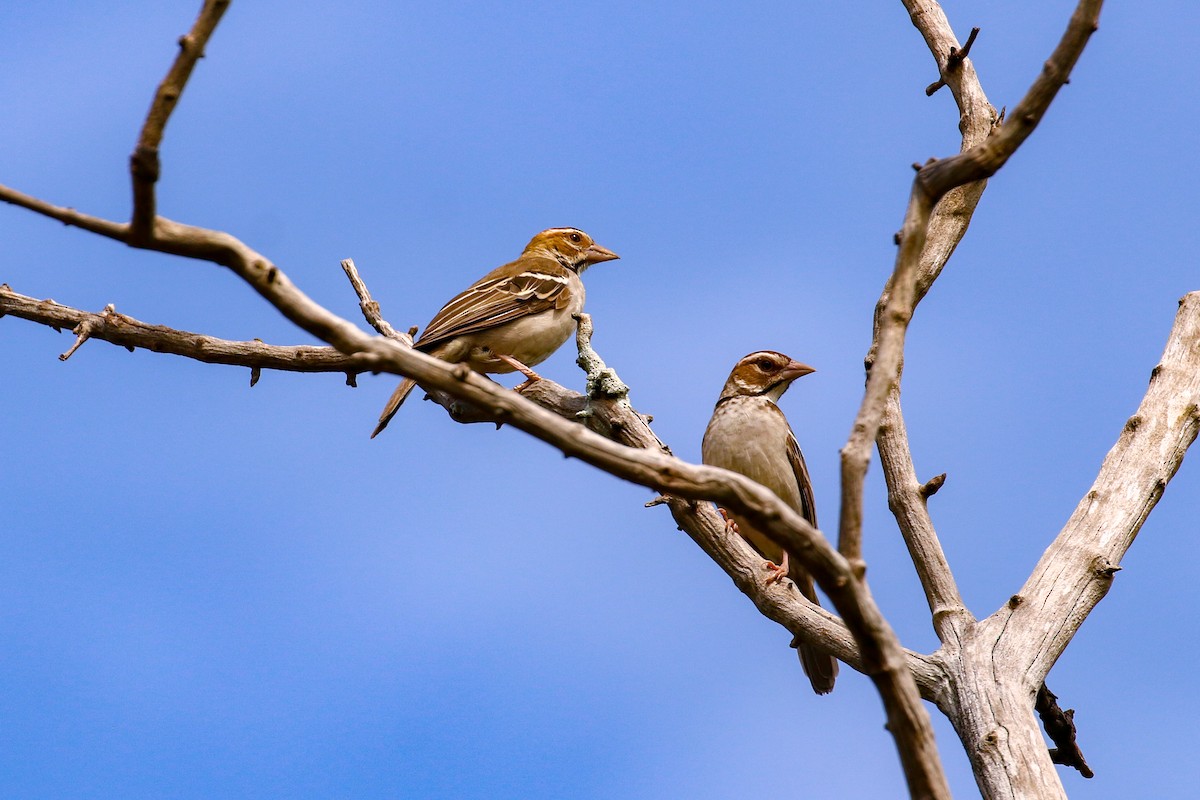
point(749, 434)
point(514, 317)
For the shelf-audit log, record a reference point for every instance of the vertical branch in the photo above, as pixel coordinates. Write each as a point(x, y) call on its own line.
point(144, 163)
point(908, 499)
point(883, 372)
point(907, 496)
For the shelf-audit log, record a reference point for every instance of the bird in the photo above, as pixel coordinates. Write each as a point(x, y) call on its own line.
point(514, 317)
point(749, 434)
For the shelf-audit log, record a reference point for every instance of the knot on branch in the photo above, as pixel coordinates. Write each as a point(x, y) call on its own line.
point(930, 487)
point(144, 163)
point(954, 60)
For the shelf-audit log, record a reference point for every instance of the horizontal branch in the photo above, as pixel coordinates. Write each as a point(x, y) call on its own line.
point(127, 332)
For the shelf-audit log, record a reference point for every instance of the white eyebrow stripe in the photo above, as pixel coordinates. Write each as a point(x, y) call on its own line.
point(544, 277)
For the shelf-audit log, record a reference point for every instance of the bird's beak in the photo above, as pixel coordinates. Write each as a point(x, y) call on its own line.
point(595, 254)
point(795, 369)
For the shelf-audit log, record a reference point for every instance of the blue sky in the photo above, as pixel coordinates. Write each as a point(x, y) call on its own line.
point(208, 590)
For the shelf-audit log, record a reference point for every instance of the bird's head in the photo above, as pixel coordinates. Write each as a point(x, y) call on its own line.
point(763, 374)
point(570, 247)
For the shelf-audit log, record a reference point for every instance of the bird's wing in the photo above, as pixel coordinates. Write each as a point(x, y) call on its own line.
point(808, 505)
point(503, 295)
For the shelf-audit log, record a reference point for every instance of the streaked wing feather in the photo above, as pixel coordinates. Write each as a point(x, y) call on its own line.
point(808, 504)
point(496, 299)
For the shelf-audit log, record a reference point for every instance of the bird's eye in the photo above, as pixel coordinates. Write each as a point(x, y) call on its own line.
point(575, 237)
point(766, 365)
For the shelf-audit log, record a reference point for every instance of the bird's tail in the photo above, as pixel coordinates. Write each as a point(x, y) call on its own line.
point(393, 404)
point(820, 667)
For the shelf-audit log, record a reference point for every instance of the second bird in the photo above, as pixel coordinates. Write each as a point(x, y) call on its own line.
point(514, 317)
point(748, 434)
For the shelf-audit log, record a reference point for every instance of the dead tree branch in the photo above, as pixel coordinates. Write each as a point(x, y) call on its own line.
point(1077, 570)
point(144, 163)
point(124, 331)
point(906, 287)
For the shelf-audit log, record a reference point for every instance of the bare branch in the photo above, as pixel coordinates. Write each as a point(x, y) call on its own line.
point(929, 237)
point(953, 61)
point(370, 308)
point(932, 183)
point(986, 158)
point(130, 333)
point(1077, 570)
point(144, 163)
point(67, 216)
point(906, 497)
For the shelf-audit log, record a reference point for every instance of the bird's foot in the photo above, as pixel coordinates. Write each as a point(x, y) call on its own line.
point(778, 571)
point(730, 525)
point(531, 377)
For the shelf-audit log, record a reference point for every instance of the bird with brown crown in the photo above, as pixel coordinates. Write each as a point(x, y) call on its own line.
point(514, 317)
point(750, 435)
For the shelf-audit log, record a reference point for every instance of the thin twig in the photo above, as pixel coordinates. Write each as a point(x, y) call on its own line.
point(370, 308)
point(144, 163)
